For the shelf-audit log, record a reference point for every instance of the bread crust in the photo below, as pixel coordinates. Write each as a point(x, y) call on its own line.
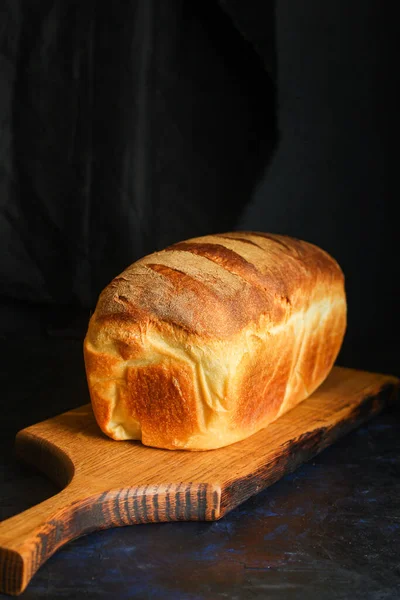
point(206, 342)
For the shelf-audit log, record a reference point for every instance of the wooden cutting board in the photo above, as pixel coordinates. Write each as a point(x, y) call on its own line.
point(109, 484)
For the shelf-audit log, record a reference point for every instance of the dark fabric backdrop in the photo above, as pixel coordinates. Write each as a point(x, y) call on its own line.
point(129, 126)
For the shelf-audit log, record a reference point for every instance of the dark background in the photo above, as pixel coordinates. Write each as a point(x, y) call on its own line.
point(127, 127)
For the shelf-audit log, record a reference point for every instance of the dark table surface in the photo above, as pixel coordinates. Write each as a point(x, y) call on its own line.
point(331, 530)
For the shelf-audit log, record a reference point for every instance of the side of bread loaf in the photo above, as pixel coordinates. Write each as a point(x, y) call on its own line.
point(205, 343)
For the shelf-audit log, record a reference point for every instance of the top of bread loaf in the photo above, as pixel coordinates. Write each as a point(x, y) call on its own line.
point(217, 275)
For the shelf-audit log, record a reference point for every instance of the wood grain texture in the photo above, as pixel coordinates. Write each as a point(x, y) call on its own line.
point(109, 484)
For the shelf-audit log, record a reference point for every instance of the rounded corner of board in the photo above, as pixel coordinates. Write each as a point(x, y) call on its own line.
point(22, 436)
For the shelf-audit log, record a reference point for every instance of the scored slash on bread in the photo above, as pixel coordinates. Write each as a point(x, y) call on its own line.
point(204, 343)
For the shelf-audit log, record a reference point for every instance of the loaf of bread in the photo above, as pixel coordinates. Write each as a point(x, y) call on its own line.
point(205, 343)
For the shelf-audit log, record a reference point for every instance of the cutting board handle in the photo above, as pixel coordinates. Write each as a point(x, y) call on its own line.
point(28, 539)
point(87, 503)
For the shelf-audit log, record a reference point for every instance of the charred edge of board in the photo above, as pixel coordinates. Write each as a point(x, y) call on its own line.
point(299, 450)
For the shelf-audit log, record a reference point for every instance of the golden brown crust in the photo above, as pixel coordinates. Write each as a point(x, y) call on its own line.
point(163, 393)
point(204, 343)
